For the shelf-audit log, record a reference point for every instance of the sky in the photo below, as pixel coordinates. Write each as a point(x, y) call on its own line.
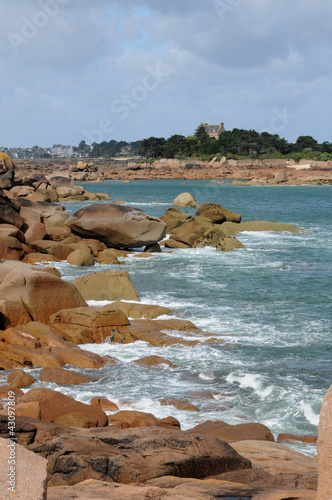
point(73, 70)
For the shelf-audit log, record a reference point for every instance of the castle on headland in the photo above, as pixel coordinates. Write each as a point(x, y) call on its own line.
point(214, 130)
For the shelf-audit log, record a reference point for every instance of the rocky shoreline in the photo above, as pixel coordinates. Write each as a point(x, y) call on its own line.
point(98, 450)
point(256, 172)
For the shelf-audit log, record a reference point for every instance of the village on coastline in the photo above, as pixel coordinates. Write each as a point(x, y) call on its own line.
point(211, 153)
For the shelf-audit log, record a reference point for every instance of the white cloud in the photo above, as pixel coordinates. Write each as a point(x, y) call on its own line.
point(63, 76)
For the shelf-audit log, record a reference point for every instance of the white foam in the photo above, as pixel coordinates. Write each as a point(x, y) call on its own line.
point(102, 303)
point(207, 376)
point(98, 303)
point(151, 204)
point(252, 381)
point(171, 302)
point(309, 413)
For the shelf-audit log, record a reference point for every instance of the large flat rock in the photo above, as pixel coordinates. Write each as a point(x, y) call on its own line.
point(117, 226)
point(136, 455)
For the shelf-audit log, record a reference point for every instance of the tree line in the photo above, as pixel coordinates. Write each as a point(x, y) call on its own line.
point(236, 144)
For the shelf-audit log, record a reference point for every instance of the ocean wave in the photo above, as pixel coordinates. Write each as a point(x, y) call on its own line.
point(309, 413)
point(208, 376)
point(251, 381)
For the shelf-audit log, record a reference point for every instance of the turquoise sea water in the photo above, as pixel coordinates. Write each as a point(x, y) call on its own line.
point(270, 303)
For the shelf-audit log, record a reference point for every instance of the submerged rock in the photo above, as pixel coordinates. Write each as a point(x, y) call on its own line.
point(232, 228)
point(179, 404)
point(154, 361)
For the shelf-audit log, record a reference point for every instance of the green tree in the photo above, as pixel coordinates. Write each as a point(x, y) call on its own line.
point(306, 141)
point(326, 147)
point(203, 139)
point(109, 149)
point(174, 146)
point(152, 147)
point(192, 146)
point(213, 147)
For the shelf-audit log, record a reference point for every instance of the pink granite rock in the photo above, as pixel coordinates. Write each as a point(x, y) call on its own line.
point(23, 474)
point(324, 448)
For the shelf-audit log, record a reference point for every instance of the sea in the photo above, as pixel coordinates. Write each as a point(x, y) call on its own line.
point(269, 306)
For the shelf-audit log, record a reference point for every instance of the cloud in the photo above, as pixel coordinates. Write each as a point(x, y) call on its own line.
point(62, 70)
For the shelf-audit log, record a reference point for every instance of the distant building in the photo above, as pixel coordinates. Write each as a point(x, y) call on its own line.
point(57, 151)
point(61, 151)
point(214, 130)
point(26, 153)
